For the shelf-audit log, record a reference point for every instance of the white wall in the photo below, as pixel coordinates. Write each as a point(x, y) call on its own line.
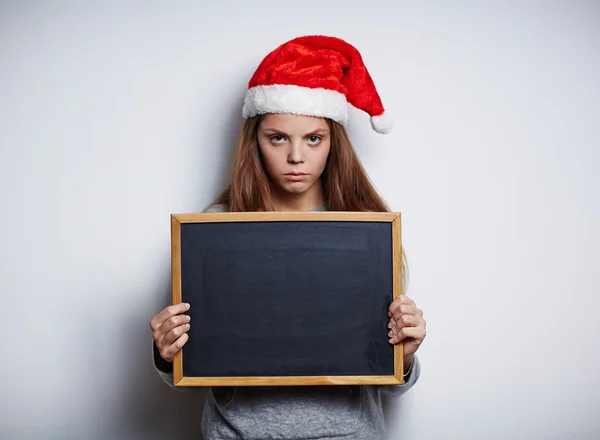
point(115, 114)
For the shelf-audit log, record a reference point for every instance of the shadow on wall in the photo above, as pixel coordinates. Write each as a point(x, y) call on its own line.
point(150, 408)
point(225, 126)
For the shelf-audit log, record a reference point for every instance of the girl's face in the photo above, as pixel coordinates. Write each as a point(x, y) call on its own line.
point(294, 150)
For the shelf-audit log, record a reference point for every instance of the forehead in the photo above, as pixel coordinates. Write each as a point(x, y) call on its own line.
point(293, 123)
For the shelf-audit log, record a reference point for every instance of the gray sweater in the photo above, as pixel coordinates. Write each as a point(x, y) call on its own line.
point(303, 412)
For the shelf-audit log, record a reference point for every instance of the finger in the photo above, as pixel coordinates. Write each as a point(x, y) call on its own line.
point(402, 299)
point(405, 310)
point(171, 351)
point(166, 313)
point(405, 321)
point(394, 305)
point(415, 333)
point(173, 334)
point(173, 322)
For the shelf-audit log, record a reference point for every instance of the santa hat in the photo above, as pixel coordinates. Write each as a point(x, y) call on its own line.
point(315, 76)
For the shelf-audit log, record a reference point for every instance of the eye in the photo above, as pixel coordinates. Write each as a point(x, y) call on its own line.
point(314, 139)
point(277, 139)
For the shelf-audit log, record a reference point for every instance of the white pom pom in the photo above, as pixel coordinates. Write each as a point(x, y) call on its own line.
point(382, 124)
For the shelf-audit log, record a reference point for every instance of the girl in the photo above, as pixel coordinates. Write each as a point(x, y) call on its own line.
point(294, 155)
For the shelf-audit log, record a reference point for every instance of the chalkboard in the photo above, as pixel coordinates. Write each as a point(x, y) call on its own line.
point(287, 298)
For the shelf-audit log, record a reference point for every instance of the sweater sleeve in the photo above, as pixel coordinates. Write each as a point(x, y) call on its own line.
point(163, 368)
point(165, 371)
point(409, 381)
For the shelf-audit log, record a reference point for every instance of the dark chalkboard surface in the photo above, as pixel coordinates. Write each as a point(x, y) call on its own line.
point(287, 298)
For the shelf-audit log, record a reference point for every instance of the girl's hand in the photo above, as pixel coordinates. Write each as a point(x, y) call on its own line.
point(169, 329)
point(406, 324)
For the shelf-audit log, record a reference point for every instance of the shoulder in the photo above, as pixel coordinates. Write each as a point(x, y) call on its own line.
point(216, 207)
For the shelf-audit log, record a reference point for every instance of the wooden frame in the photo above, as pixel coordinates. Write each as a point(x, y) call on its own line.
point(394, 218)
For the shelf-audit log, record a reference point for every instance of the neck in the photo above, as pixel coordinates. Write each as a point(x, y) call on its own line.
point(288, 202)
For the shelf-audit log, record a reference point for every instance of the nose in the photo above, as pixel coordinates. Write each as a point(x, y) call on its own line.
point(296, 154)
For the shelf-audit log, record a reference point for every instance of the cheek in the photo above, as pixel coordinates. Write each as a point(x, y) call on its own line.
point(321, 156)
point(272, 158)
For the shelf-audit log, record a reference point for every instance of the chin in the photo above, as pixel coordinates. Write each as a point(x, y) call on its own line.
point(295, 190)
point(295, 187)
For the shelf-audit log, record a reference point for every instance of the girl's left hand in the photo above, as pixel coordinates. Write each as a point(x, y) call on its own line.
point(406, 324)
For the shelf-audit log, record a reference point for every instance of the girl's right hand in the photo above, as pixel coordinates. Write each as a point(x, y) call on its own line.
point(169, 330)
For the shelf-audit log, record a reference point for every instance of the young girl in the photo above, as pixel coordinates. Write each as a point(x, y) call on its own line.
point(294, 155)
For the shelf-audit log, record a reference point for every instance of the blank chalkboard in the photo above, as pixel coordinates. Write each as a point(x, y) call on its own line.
point(287, 298)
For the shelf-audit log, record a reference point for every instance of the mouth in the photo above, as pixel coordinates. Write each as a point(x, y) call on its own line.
point(295, 176)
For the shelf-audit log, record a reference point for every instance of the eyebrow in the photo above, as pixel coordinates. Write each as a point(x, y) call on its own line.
point(317, 131)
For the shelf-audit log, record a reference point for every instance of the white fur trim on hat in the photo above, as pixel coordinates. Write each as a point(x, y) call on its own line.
point(296, 100)
point(382, 124)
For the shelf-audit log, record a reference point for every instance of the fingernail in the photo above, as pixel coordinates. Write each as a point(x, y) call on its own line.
point(187, 326)
point(390, 334)
point(187, 318)
point(390, 325)
point(389, 314)
point(391, 341)
point(187, 305)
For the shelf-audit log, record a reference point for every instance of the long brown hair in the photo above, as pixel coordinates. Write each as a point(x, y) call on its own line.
point(346, 185)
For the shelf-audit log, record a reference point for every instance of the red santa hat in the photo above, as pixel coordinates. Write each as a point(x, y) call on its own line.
point(315, 76)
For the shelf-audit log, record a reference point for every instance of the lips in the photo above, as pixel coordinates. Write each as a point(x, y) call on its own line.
point(295, 176)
